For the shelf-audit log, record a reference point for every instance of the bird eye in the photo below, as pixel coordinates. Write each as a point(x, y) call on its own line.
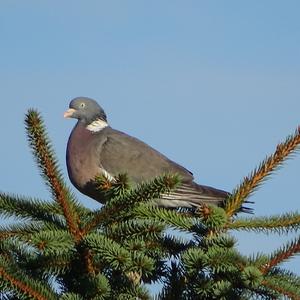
point(82, 105)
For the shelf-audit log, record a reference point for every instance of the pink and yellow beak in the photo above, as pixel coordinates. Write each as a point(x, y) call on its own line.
point(69, 113)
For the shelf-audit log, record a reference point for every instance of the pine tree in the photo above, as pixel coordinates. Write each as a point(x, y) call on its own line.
point(60, 249)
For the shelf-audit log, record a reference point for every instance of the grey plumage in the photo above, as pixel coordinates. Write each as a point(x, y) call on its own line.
point(95, 148)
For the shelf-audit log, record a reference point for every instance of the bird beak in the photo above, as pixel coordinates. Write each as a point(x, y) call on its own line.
point(69, 113)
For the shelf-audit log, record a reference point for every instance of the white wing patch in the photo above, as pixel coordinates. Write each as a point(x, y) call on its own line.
point(107, 175)
point(97, 125)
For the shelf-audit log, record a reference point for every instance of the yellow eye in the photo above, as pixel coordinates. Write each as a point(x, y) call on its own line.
point(82, 105)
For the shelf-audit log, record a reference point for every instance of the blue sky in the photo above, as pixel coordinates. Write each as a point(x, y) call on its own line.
point(214, 85)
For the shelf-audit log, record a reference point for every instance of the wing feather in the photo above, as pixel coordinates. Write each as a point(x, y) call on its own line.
point(121, 153)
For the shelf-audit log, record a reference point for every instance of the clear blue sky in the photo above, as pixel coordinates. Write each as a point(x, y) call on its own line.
point(214, 85)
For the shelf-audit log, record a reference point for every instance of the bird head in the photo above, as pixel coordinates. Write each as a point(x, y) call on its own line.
point(86, 110)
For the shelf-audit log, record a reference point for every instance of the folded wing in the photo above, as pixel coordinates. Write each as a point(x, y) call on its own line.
point(121, 153)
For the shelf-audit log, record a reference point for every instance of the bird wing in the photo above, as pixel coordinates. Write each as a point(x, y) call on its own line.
point(121, 153)
point(193, 195)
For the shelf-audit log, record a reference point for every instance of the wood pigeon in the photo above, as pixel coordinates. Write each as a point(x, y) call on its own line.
point(95, 148)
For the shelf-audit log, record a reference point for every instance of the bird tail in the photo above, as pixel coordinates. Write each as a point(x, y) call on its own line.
point(192, 195)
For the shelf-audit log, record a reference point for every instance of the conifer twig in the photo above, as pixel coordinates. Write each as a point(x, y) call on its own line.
point(31, 208)
point(25, 288)
point(142, 193)
point(278, 224)
point(88, 258)
point(47, 163)
point(281, 255)
point(265, 169)
point(280, 290)
point(5, 235)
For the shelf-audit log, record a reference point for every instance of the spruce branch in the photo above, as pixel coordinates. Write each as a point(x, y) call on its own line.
point(22, 284)
point(89, 264)
point(174, 284)
point(174, 246)
point(142, 193)
point(109, 252)
point(281, 255)
point(54, 264)
point(31, 209)
point(51, 242)
point(278, 224)
point(285, 279)
point(16, 251)
point(36, 261)
point(71, 296)
point(101, 287)
point(22, 230)
point(109, 189)
point(135, 229)
point(266, 168)
point(213, 217)
point(171, 218)
point(47, 163)
point(288, 276)
point(282, 288)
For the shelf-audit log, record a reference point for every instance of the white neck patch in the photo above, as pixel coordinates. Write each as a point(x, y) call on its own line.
point(97, 125)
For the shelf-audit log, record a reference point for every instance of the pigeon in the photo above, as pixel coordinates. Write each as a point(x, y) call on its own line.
point(94, 148)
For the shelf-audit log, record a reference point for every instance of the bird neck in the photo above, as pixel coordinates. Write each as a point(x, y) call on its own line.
point(97, 125)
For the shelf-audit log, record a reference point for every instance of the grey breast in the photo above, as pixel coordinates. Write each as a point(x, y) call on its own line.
point(82, 156)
